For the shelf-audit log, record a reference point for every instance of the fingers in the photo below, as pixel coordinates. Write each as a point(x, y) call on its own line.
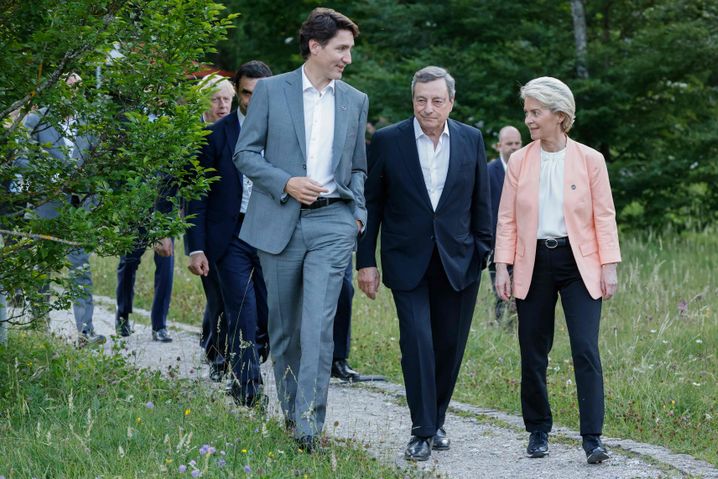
point(369, 279)
point(303, 189)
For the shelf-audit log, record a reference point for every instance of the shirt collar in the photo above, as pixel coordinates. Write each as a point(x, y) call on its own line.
point(418, 132)
point(240, 116)
point(307, 85)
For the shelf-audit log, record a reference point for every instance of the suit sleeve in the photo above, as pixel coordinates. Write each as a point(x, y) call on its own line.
point(505, 248)
point(197, 209)
point(359, 165)
point(481, 207)
point(252, 141)
point(604, 212)
point(375, 197)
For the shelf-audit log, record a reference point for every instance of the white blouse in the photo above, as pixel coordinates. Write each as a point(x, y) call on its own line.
point(551, 222)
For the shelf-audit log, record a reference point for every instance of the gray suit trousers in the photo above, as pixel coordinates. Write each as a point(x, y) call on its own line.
point(303, 285)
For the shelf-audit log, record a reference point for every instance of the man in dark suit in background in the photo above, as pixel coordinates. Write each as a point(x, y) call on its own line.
point(229, 267)
point(509, 141)
point(428, 190)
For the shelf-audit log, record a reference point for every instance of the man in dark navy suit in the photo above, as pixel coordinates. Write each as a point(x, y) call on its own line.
point(509, 141)
point(428, 190)
point(229, 267)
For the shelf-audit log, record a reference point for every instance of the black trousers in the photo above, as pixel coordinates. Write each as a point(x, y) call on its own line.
point(434, 323)
point(555, 272)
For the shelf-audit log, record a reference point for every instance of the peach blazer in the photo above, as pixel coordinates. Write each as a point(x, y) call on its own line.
point(588, 211)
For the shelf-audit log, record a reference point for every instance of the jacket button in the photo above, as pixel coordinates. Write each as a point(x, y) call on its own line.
point(304, 167)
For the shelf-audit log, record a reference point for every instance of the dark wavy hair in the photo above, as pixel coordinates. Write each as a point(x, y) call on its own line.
point(322, 25)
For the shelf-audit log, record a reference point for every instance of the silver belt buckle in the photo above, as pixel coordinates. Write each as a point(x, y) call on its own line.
point(551, 243)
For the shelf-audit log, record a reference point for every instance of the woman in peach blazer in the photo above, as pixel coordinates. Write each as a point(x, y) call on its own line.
point(557, 227)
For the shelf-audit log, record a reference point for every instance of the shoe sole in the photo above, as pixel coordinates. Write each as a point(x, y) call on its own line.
point(440, 448)
point(597, 457)
point(537, 455)
point(409, 457)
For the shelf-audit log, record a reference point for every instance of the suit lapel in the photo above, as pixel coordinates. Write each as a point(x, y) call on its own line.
point(341, 121)
point(453, 174)
point(295, 103)
point(231, 132)
point(410, 155)
point(572, 183)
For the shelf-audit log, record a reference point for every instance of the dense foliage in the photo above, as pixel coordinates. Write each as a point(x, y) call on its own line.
point(134, 106)
point(650, 102)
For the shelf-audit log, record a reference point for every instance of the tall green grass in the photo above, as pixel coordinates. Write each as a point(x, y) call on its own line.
point(659, 343)
point(66, 413)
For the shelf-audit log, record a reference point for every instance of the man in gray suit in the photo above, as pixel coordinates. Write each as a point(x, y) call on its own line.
point(302, 145)
point(62, 143)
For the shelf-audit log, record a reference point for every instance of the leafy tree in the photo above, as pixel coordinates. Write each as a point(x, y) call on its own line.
point(134, 106)
point(642, 72)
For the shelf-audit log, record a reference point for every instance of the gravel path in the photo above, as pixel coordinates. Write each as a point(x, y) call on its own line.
point(485, 443)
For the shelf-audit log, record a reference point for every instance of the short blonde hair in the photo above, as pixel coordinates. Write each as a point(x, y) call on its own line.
point(555, 95)
point(215, 83)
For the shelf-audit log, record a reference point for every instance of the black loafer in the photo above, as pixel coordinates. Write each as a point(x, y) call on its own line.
point(162, 336)
point(216, 372)
point(308, 444)
point(440, 441)
point(418, 449)
point(596, 452)
point(538, 444)
point(342, 370)
point(122, 327)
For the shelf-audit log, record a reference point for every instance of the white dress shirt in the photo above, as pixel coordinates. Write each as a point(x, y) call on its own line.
point(319, 133)
point(434, 161)
point(246, 182)
point(551, 222)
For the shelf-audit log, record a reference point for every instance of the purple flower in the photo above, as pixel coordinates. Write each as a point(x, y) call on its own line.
point(192, 463)
point(221, 462)
point(196, 473)
point(204, 450)
point(182, 468)
point(150, 405)
point(247, 469)
point(682, 306)
point(211, 450)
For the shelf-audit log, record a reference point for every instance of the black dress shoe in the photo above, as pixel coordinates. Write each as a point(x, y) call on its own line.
point(308, 444)
point(596, 452)
point(342, 370)
point(256, 400)
point(122, 326)
point(162, 336)
point(418, 449)
point(290, 425)
point(440, 441)
point(538, 444)
point(216, 372)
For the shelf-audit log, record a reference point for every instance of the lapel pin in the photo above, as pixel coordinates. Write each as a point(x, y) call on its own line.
point(343, 107)
point(573, 187)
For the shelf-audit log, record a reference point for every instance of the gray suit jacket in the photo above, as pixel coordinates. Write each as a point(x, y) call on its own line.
point(46, 135)
point(275, 125)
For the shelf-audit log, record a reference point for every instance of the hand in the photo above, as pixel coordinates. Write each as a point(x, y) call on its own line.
point(304, 189)
point(503, 281)
point(164, 247)
point(198, 264)
point(369, 279)
point(359, 225)
point(609, 280)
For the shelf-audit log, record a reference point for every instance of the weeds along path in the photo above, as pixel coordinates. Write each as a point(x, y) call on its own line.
point(485, 443)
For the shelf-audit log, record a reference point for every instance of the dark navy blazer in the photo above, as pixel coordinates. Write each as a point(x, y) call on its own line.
point(496, 183)
point(397, 201)
point(217, 213)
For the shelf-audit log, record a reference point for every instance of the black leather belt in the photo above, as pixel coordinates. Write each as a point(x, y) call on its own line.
point(321, 203)
point(552, 243)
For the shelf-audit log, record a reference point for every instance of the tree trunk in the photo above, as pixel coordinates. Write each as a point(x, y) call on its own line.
point(579, 33)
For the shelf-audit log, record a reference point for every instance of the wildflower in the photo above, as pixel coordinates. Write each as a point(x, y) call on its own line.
point(196, 473)
point(204, 449)
point(247, 469)
point(673, 402)
point(682, 306)
point(169, 460)
point(244, 451)
point(221, 462)
point(568, 382)
point(699, 341)
point(192, 463)
point(182, 468)
point(138, 420)
point(150, 405)
point(222, 453)
point(211, 450)
point(187, 411)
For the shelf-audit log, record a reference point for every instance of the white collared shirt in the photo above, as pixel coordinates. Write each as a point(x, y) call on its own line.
point(319, 133)
point(505, 163)
point(246, 182)
point(434, 162)
point(551, 221)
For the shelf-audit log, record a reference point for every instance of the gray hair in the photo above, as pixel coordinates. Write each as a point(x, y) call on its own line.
point(431, 73)
point(555, 95)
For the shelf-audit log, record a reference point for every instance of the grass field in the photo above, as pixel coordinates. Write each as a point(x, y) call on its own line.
point(66, 413)
point(659, 343)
